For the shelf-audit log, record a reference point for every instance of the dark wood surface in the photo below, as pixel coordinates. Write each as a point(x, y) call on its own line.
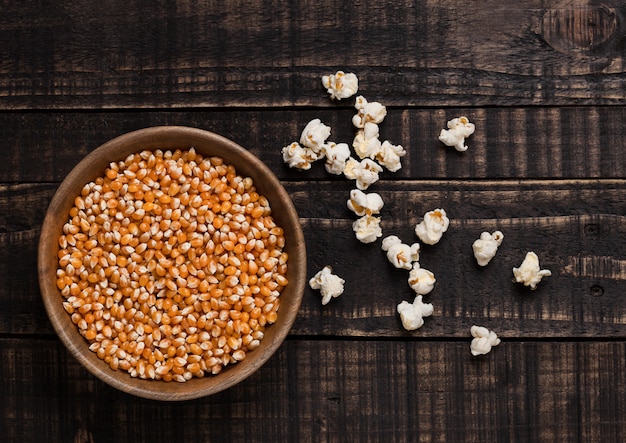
point(544, 82)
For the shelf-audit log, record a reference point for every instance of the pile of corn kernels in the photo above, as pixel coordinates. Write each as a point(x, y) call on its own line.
point(171, 265)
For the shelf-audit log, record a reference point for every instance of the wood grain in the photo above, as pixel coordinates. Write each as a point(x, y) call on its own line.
point(522, 143)
point(574, 226)
point(197, 54)
point(395, 390)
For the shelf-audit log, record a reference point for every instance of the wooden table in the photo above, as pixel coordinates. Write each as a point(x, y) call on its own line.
point(544, 84)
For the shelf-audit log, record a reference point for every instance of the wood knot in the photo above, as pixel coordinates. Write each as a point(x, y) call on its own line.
point(596, 291)
point(583, 27)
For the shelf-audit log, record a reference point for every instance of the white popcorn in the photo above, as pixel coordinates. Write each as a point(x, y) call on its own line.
point(336, 156)
point(399, 254)
point(314, 136)
point(486, 246)
point(483, 340)
point(367, 229)
point(389, 156)
point(364, 172)
point(372, 112)
point(297, 156)
point(412, 314)
point(458, 130)
point(330, 285)
point(365, 204)
point(341, 85)
point(366, 143)
point(433, 226)
point(529, 272)
point(421, 280)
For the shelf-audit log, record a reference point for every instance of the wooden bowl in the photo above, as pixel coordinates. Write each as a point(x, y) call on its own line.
point(206, 144)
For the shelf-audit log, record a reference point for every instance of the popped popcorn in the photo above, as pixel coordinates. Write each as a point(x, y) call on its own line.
point(529, 272)
point(399, 254)
point(365, 204)
point(298, 157)
point(421, 280)
point(366, 143)
point(458, 130)
point(336, 156)
point(368, 112)
point(389, 156)
point(329, 284)
point(483, 340)
point(364, 172)
point(341, 85)
point(432, 227)
point(412, 314)
point(486, 246)
point(367, 229)
point(314, 136)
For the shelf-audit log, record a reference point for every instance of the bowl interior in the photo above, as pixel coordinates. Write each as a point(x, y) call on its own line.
point(207, 144)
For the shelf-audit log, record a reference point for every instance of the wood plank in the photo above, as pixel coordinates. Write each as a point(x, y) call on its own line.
point(340, 390)
point(575, 237)
point(576, 227)
point(22, 210)
point(524, 143)
point(197, 54)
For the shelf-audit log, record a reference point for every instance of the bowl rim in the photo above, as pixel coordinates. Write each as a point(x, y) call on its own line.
point(171, 137)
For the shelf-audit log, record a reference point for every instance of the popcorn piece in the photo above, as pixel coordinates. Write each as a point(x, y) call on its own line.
point(330, 285)
point(365, 204)
point(314, 136)
point(336, 156)
point(364, 172)
point(433, 226)
point(366, 143)
point(367, 229)
point(458, 130)
point(486, 246)
point(412, 314)
point(389, 156)
point(298, 157)
point(399, 254)
point(529, 272)
point(483, 341)
point(341, 85)
point(421, 280)
point(372, 112)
